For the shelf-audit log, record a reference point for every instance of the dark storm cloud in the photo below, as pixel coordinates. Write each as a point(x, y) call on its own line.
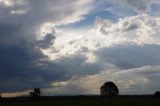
point(47, 41)
point(22, 64)
point(17, 57)
point(128, 56)
point(8, 33)
point(23, 68)
point(7, 29)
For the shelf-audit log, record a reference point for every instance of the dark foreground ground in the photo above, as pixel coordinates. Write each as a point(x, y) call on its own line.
point(82, 101)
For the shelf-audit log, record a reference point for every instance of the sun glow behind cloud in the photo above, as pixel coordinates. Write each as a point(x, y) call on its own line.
point(137, 30)
point(140, 30)
point(58, 51)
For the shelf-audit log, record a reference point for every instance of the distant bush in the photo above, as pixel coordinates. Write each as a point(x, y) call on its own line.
point(157, 94)
point(36, 92)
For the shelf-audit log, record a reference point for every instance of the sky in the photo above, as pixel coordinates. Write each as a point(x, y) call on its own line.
point(72, 47)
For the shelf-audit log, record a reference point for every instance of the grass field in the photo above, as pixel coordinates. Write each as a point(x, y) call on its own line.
point(83, 101)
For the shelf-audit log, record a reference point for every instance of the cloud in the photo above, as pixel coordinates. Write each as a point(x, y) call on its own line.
point(47, 41)
point(128, 81)
point(134, 30)
point(26, 17)
point(12, 3)
point(129, 46)
point(127, 56)
point(139, 6)
point(140, 29)
point(142, 80)
point(15, 94)
point(21, 22)
point(37, 50)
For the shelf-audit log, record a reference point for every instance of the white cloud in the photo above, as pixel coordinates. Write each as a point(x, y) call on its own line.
point(19, 12)
point(12, 3)
point(139, 6)
point(137, 30)
point(130, 53)
point(140, 29)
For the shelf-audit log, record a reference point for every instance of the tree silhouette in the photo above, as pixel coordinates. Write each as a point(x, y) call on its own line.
point(157, 94)
point(36, 92)
point(109, 89)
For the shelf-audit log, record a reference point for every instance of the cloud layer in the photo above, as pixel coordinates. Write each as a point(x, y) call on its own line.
point(24, 32)
point(39, 47)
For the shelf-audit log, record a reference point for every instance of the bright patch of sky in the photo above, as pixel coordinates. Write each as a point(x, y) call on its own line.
point(59, 45)
point(105, 10)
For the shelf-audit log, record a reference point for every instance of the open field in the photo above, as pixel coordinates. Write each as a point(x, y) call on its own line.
point(83, 101)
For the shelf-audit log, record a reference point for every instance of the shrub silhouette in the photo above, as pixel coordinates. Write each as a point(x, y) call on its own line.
point(36, 92)
point(157, 94)
point(109, 89)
